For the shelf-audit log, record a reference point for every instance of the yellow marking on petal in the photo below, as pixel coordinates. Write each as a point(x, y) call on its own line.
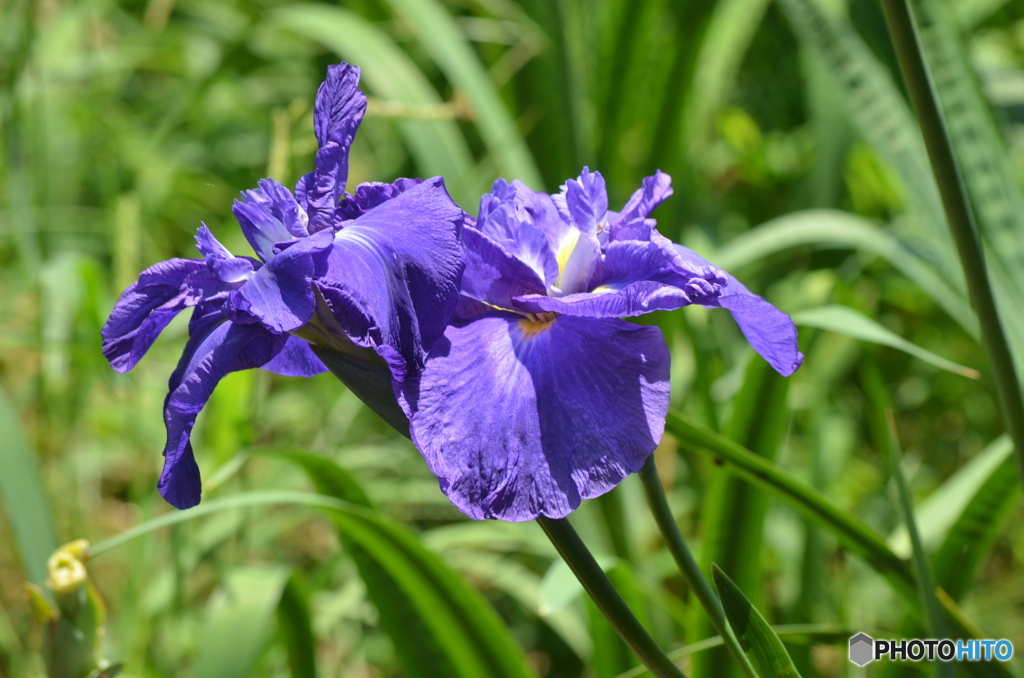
point(602, 289)
point(531, 328)
point(565, 249)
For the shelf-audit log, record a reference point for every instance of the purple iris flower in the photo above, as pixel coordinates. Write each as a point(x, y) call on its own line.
point(540, 395)
point(373, 275)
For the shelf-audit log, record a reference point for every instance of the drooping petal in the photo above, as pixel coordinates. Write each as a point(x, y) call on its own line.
point(521, 419)
point(655, 190)
point(145, 308)
point(493, 275)
point(280, 294)
point(339, 111)
point(392, 276)
point(295, 360)
point(770, 331)
point(228, 348)
point(269, 215)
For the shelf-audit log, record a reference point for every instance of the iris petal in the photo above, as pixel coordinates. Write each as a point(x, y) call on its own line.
point(227, 348)
point(295, 360)
point(145, 309)
point(280, 294)
point(634, 278)
point(493, 275)
point(655, 190)
point(269, 215)
point(392, 277)
point(339, 110)
point(586, 201)
point(770, 331)
point(581, 404)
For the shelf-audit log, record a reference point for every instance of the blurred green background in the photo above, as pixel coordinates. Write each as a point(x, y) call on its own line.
point(797, 166)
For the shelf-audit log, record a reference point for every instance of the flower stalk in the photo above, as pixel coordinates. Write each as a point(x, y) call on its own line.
point(582, 563)
point(688, 565)
point(905, 38)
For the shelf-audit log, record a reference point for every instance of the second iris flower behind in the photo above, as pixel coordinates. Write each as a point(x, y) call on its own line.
point(539, 395)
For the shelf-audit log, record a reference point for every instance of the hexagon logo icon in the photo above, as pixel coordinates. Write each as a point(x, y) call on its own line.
point(861, 649)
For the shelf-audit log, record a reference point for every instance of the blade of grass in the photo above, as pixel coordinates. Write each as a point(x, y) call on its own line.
point(438, 145)
point(758, 638)
point(687, 565)
point(975, 531)
point(395, 605)
point(944, 507)
point(877, 110)
point(884, 428)
point(734, 511)
point(834, 229)
point(793, 633)
point(24, 498)
point(847, 528)
point(852, 323)
point(239, 622)
point(582, 563)
point(465, 637)
point(855, 535)
point(979, 146)
point(904, 33)
point(440, 36)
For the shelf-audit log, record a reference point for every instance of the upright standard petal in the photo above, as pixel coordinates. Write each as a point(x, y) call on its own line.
point(145, 309)
point(586, 201)
point(510, 215)
point(521, 419)
point(392, 276)
point(493, 275)
point(227, 348)
point(655, 190)
point(269, 215)
point(339, 110)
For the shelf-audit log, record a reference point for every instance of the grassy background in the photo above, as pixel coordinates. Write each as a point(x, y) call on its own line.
point(796, 166)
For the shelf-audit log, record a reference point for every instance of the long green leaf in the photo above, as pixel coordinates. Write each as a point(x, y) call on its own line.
point(438, 145)
point(848, 529)
point(24, 497)
point(396, 599)
point(854, 534)
point(830, 229)
point(466, 637)
point(940, 510)
point(755, 635)
point(852, 323)
point(884, 429)
point(735, 511)
point(441, 37)
point(974, 533)
point(239, 622)
point(979, 146)
point(878, 111)
point(731, 28)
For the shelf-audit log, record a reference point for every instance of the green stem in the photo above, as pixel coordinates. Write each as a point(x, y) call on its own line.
point(596, 583)
point(905, 37)
point(688, 566)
